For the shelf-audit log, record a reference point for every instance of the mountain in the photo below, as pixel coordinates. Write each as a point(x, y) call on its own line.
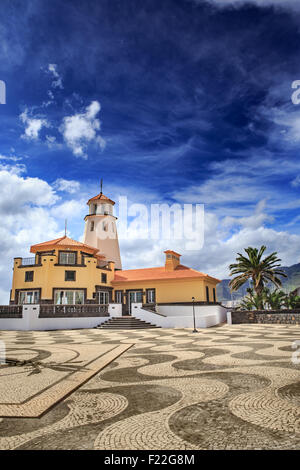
point(289, 283)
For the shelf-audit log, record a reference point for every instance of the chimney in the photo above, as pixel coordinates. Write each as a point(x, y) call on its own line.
point(172, 260)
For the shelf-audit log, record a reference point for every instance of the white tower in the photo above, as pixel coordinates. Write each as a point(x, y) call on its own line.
point(100, 228)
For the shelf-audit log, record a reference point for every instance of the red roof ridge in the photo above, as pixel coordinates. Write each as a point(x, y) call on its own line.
point(159, 273)
point(57, 241)
point(101, 196)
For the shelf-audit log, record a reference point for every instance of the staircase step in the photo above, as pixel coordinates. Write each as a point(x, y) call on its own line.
point(126, 323)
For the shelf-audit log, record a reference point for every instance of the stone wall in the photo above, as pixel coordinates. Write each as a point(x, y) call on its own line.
point(286, 317)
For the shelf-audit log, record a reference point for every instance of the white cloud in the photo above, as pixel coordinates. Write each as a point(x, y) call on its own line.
point(25, 220)
point(296, 182)
point(33, 126)
point(82, 129)
point(11, 158)
point(57, 83)
point(238, 186)
point(17, 169)
point(68, 186)
point(220, 245)
point(15, 191)
point(71, 209)
point(259, 3)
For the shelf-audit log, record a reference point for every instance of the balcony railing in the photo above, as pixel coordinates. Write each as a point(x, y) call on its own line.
point(28, 261)
point(78, 310)
point(10, 311)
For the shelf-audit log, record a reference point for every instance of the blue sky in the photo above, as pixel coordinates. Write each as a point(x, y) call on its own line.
point(168, 101)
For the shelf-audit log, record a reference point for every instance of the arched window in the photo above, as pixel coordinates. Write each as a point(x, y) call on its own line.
point(92, 226)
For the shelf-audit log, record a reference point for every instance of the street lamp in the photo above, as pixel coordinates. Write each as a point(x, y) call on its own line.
point(194, 330)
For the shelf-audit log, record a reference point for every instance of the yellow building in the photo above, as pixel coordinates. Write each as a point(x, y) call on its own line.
point(64, 271)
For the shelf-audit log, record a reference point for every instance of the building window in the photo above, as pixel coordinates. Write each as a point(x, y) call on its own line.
point(214, 294)
point(70, 275)
point(150, 296)
point(103, 278)
point(118, 296)
point(94, 208)
point(28, 276)
point(92, 226)
point(29, 297)
point(104, 226)
point(71, 297)
point(207, 294)
point(103, 297)
point(67, 258)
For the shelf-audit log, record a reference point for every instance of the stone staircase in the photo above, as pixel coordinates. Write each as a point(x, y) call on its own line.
point(126, 323)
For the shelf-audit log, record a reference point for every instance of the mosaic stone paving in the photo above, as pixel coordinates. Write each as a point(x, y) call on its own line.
point(228, 387)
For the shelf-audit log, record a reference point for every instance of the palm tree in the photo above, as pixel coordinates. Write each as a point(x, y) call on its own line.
point(276, 299)
point(259, 270)
point(252, 301)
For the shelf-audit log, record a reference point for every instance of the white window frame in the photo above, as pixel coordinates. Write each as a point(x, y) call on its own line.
point(103, 297)
point(67, 258)
point(25, 294)
point(151, 296)
point(118, 297)
point(64, 296)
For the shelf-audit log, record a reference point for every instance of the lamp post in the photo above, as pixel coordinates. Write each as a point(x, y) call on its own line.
point(194, 330)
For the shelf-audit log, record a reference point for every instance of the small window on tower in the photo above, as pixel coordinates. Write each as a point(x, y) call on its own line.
point(92, 226)
point(103, 278)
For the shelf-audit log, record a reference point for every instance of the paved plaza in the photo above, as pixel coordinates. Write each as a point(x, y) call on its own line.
point(227, 387)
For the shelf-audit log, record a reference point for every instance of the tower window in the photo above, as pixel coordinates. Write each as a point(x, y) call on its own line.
point(214, 294)
point(104, 226)
point(103, 278)
point(70, 275)
point(28, 276)
point(95, 208)
point(92, 226)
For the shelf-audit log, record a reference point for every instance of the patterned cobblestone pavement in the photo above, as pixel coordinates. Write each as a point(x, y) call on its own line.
point(229, 387)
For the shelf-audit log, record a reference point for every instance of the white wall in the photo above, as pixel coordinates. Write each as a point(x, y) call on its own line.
point(31, 321)
point(187, 310)
point(206, 315)
point(115, 310)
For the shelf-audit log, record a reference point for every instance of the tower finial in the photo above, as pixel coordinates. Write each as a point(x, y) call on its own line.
point(66, 222)
point(101, 184)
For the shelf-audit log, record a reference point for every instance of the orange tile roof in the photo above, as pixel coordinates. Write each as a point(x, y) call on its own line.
point(63, 242)
point(181, 272)
point(102, 197)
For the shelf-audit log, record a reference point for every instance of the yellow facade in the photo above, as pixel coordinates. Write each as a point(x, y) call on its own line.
point(171, 291)
point(48, 276)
